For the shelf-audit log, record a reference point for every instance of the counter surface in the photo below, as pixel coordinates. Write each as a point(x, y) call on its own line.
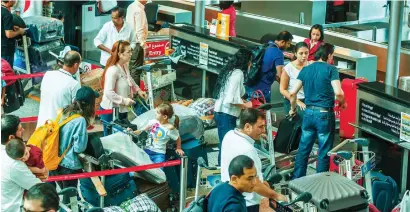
point(386, 91)
point(204, 33)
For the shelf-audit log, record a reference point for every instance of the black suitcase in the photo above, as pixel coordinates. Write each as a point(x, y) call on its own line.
point(289, 134)
point(332, 192)
point(159, 193)
point(43, 29)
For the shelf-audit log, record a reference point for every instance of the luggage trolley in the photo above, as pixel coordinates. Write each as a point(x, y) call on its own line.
point(355, 165)
point(282, 164)
point(148, 68)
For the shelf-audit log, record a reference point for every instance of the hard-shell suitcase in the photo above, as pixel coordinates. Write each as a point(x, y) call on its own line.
point(348, 115)
point(288, 135)
point(332, 192)
point(43, 29)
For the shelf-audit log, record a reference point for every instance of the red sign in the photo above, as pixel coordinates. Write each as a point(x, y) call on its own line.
point(157, 48)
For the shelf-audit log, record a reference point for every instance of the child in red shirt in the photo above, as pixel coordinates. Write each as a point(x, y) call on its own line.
point(316, 36)
point(31, 155)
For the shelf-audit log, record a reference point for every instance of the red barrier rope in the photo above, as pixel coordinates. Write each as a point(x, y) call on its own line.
point(23, 76)
point(114, 171)
point(35, 118)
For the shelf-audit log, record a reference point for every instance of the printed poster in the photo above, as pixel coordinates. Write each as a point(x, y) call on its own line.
point(203, 53)
point(405, 127)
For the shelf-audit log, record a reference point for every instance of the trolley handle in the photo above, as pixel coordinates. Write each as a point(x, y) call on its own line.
point(360, 141)
point(304, 197)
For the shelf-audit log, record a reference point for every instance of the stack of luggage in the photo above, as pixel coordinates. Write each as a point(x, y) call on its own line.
point(46, 35)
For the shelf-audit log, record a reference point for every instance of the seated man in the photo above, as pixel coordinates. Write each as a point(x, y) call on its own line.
point(228, 196)
point(41, 197)
point(241, 142)
point(15, 175)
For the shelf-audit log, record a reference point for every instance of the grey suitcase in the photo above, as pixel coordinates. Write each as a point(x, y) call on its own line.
point(332, 192)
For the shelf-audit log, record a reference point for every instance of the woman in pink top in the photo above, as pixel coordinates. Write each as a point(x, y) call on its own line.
point(316, 36)
point(228, 9)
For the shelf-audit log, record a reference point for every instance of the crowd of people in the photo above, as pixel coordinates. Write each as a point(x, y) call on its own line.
point(309, 84)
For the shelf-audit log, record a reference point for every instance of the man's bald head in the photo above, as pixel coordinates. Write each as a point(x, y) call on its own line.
point(71, 58)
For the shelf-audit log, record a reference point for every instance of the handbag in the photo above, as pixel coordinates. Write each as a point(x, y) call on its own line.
point(257, 99)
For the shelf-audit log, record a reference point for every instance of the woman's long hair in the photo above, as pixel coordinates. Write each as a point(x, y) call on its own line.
point(118, 47)
point(85, 109)
point(239, 61)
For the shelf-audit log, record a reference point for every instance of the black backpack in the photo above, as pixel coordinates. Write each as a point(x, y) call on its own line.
point(254, 73)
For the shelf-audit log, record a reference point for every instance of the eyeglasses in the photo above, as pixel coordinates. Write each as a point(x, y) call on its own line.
point(22, 209)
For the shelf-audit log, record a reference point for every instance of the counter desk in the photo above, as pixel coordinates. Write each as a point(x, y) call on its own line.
point(202, 50)
point(384, 111)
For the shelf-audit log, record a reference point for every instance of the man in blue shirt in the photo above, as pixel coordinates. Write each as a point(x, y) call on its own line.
point(272, 63)
point(227, 197)
point(321, 85)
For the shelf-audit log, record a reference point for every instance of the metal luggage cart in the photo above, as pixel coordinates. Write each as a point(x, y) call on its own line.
point(355, 165)
point(284, 164)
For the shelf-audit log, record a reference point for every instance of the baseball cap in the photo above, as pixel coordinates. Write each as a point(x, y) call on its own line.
point(86, 94)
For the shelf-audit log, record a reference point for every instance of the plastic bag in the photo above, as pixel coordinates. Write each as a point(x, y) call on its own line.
point(133, 152)
point(404, 204)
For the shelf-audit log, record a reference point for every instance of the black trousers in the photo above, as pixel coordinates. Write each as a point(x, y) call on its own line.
point(137, 59)
point(253, 208)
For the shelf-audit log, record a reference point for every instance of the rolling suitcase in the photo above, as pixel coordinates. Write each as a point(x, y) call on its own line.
point(288, 135)
point(349, 87)
point(332, 192)
point(159, 193)
point(43, 29)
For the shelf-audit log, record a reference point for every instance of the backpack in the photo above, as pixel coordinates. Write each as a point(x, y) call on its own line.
point(254, 72)
point(47, 138)
point(384, 190)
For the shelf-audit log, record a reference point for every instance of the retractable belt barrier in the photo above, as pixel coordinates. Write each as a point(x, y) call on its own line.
point(113, 171)
point(23, 76)
point(34, 118)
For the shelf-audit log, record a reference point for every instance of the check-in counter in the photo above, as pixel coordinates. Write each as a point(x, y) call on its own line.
point(351, 63)
point(174, 15)
point(202, 50)
point(383, 111)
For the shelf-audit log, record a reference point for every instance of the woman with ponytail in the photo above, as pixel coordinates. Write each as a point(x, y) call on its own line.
point(73, 135)
point(119, 87)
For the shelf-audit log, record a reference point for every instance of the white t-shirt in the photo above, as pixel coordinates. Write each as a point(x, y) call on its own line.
point(161, 134)
point(15, 178)
point(293, 74)
point(234, 144)
point(58, 89)
point(109, 34)
point(232, 93)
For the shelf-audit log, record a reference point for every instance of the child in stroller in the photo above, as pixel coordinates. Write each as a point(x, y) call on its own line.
point(162, 131)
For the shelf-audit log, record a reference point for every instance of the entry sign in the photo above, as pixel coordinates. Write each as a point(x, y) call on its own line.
point(203, 53)
point(157, 48)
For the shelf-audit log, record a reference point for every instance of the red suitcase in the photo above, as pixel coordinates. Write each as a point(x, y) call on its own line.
point(349, 87)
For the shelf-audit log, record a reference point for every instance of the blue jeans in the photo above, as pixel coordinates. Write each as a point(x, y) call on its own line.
point(320, 125)
point(224, 123)
point(266, 93)
point(155, 156)
point(286, 107)
point(108, 118)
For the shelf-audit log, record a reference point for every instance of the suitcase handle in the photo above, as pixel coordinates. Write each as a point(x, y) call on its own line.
point(51, 34)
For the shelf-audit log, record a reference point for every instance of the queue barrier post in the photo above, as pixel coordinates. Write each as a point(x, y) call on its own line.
point(183, 183)
point(102, 197)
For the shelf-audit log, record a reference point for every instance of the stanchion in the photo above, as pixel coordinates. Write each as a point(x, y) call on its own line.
point(102, 197)
point(182, 192)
